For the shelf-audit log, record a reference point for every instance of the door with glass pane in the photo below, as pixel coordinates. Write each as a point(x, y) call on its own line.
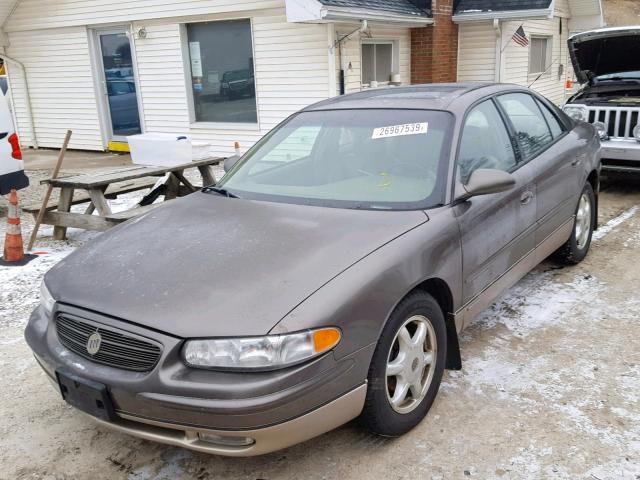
point(118, 82)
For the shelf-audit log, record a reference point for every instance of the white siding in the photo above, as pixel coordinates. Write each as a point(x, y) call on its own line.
point(562, 8)
point(476, 52)
point(352, 56)
point(516, 58)
point(58, 69)
point(40, 14)
point(285, 83)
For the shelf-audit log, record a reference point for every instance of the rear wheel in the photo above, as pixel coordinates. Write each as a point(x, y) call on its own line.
point(577, 247)
point(407, 366)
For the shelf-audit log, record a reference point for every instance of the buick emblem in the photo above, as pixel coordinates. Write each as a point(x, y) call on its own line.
point(93, 343)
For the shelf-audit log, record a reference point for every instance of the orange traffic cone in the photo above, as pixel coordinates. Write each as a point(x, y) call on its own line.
point(13, 248)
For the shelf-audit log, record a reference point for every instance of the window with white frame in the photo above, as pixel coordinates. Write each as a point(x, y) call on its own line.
point(539, 54)
point(379, 61)
point(222, 78)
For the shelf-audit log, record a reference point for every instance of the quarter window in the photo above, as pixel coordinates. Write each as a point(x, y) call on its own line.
point(485, 142)
point(378, 61)
point(222, 80)
point(539, 54)
point(529, 124)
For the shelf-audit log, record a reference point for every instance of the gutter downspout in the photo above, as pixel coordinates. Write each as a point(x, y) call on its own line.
point(498, 66)
point(34, 137)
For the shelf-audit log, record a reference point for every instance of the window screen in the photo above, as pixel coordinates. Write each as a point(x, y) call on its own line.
point(539, 54)
point(377, 62)
point(223, 85)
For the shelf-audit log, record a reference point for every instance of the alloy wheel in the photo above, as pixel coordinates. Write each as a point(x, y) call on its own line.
point(583, 221)
point(411, 364)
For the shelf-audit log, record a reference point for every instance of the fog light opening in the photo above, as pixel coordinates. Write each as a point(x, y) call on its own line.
point(222, 441)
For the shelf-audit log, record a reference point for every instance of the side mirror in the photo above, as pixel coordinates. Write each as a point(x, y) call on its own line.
point(485, 181)
point(229, 162)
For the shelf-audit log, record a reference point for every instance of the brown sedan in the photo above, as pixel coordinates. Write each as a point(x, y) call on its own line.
point(328, 274)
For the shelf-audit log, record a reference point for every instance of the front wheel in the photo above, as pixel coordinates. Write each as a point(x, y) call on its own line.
point(407, 367)
point(577, 247)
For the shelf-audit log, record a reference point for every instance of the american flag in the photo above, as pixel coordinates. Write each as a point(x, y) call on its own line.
point(520, 37)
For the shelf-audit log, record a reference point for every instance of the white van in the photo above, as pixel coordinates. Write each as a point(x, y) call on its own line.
point(11, 165)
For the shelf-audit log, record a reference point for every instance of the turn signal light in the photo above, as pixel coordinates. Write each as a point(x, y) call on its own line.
point(325, 339)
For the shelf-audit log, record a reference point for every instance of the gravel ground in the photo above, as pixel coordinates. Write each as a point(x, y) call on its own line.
point(550, 387)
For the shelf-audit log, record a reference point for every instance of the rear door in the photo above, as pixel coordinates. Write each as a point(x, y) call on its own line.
point(497, 229)
point(553, 156)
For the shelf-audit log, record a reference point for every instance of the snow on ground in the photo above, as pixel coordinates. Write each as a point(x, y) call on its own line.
point(521, 360)
point(614, 222)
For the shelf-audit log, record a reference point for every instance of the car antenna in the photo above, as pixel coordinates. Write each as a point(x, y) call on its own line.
point(539, 76)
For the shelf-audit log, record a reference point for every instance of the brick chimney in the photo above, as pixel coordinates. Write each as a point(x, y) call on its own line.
point(434, 49)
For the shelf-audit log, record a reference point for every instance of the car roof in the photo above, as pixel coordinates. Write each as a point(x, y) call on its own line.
point(431, 96)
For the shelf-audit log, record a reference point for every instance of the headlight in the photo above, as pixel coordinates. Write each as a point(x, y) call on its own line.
point(636, 132)
point(46, 300)
point(260, 353)
point(577, 112)
point(601, 128)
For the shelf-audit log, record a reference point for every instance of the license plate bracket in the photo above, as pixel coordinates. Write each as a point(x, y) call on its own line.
point(86, 395)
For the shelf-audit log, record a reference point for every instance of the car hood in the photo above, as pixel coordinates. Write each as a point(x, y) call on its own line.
point(604, 52)
point(208, 265)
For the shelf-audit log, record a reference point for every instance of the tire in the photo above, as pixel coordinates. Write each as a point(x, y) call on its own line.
point(418, 310)
point(577, 247)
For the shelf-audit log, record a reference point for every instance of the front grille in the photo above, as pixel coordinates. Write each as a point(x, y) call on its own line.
point(620, 121)
point(118, 348)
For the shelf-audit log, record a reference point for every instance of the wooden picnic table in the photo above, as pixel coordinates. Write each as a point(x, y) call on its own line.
point(96, 188)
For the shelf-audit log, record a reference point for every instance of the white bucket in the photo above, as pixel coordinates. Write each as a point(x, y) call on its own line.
point(165, 149)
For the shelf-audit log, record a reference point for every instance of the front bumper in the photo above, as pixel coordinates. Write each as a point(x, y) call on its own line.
point(620, 155)
point(173, 403)
point(266, 440)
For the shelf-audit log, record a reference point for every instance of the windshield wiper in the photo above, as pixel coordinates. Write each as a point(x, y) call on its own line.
point(220, 191)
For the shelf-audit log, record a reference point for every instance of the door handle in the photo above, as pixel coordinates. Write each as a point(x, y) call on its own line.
point(526, 197)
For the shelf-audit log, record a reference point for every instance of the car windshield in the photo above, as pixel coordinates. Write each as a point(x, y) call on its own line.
point(373, 159)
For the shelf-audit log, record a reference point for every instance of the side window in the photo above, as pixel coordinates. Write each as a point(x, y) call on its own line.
point(485, 142)
point(530, 126)
point(554, 124)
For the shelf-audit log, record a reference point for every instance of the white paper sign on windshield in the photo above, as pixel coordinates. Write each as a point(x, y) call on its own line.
point(399, 130)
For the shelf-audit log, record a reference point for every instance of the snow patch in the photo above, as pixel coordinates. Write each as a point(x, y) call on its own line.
point(613, 223)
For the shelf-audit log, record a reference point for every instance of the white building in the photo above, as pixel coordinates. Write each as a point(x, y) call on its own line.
point(488, 53)
point(224, 71)
point(218, 70)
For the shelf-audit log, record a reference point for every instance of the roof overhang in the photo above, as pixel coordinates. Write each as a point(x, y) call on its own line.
point(312, 11)
point(6, 9)
point(473, 16)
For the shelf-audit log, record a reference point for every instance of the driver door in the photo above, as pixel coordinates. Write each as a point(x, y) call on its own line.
point(497, 230)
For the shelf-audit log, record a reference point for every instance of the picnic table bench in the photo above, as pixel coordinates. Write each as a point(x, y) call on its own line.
point(97, 188)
